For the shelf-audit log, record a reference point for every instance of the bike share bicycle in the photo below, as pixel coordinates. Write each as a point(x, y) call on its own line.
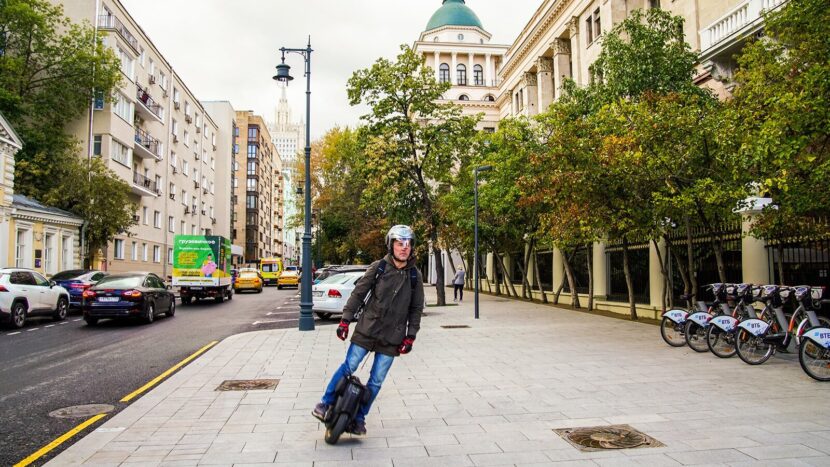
point(721, 332)
point(814, 351)
point(758, 340)
point(673, 324)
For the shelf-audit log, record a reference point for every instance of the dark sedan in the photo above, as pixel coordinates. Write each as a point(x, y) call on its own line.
point(75, 281)
point(140, 295)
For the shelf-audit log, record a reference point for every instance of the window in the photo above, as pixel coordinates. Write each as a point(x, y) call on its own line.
point(251, 167)
point(444, 73)
point(187, 108)
point(156, 219)
point(156, 254)
point(252, 151)
point(144, 215)
point(49, 253)
point(66, 252)
point(192, 229)
point(489, 98)
point(96, 145)
point(123, 108)
point(134, 255)
point(597, 24)
point(174, 128)
point(253, 133)
point(172, 189)
point(185, 167)
point(251, 202)
point(251, 184)
point(118, 248)
point(654, 3)
point(144, 251)
point(186, 138)
point(593, 27)
point(127, 63)
point(169, 256)
point(184, 226)
point(171, 224)
point(461, 37)
point(463, 97)
point(175, 96)
point(120, 153)
point(142, 54)
point(461, 74)
point(478, 75)
point(40, 281)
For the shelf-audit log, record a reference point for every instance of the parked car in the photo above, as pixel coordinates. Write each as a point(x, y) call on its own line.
point(248, 280)
point(25, 293)
point(76, 281)
point(289, 278)
point(327, 271)
point(331, 294)
point(140, 295)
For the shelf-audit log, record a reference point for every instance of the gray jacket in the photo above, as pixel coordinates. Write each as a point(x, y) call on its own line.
point(394, 310)
point(459, 277)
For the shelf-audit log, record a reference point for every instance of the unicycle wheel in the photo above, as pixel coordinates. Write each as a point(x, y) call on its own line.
point(336, 429)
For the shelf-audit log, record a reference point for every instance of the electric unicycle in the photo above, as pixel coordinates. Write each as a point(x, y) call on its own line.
point(350, 394)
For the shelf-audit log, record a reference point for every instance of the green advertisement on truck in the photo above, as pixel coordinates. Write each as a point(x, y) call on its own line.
point(202, 267)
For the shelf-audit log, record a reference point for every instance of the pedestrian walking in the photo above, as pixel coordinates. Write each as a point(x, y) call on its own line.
point(458, 284)
point(388, 323)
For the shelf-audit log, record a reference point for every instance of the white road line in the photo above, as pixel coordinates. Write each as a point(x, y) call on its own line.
point(76, 319)
point(33, 329)
point(65, 322)
point(49, 326)
point(281, 312)
point(13, 333)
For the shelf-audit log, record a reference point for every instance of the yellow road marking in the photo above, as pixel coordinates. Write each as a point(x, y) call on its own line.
point(58, 441)
point(160, 377)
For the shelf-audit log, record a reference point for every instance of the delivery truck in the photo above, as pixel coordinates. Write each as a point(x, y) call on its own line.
point(202, 267)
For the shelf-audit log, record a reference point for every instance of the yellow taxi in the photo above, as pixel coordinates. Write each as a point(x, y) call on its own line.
point(289, 278)
point(248, 280)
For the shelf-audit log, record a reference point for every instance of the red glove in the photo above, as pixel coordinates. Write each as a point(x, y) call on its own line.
point(406, 345)
point(343, 330)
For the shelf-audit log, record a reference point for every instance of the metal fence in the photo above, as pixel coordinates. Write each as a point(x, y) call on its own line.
point(638, 267)
point(705, 263)
point(805, 262)
point(579, 266)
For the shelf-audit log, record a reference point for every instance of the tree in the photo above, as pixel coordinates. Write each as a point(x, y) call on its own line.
point(412, 143)
point(782, 106)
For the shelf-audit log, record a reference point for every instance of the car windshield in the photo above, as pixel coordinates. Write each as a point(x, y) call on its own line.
point(340, 278)
point(289, 273)
point(248, 275)
point(270, 268)
point(120, 282)
point(66, 275)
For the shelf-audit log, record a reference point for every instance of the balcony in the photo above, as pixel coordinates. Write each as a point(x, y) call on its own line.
point(147, 107)
point(730, 29)
point(146, 146)
point(144, 186)
point(109, 22)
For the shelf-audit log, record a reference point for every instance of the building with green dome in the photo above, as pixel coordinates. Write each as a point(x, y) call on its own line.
point(453, 13)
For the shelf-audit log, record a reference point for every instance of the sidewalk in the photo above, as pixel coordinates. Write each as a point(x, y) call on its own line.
point(491, 394)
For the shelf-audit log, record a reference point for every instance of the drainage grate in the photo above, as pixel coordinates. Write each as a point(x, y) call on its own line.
point(247, 384)
point(455, 326)
point(81, 411)
point(600, 438)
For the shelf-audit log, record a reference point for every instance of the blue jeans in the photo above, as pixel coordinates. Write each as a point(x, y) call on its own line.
point(354, 356)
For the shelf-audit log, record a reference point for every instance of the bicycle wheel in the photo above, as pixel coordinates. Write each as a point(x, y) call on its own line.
point(752, 349)
point(721, 343)
point(815, 360)
point(672, 333)
point(695, 336)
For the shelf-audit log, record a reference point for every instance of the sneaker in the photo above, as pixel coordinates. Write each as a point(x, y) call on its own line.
point(319, 411)
point(358, 427)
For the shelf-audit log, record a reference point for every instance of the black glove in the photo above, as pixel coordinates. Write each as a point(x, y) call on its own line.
point(406, 345)
point(343, 329)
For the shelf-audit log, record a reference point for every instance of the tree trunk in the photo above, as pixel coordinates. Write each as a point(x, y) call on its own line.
point(508, 284)
point(780, 250)
point(628, 283)
point(439, 273)
point(589, 250)
point(691, 261)
point(684, 273)
point(571, 282)
point(527, 290)
point(662, 272)
point(716, 240)
point(538, 276)
point(558, 292)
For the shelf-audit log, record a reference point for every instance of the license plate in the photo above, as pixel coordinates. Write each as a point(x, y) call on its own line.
point(196, 288)
point(108, 299)
point(317, 293)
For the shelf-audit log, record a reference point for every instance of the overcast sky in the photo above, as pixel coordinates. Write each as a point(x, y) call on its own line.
point(228, 50)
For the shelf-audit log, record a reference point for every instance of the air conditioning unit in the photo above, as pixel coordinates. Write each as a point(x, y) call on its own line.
point(173, 196)
point(186, 210)
point(188, 118)
point(176, 105)
point(203, 212)
point(212, 220)
point(198, 129)
point(164, 92)
point(205, 190)
point(195, 184)
point(136, 217)
point(152, 79)
point(196, 155)
point(175, 138)
point(175, 170)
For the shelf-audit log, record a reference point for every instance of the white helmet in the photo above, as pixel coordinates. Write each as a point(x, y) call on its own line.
point(400, 232)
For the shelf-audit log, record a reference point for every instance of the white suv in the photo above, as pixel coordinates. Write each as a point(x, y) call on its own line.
point(24, 293)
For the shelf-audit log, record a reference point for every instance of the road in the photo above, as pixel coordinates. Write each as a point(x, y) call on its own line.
point(50, 365)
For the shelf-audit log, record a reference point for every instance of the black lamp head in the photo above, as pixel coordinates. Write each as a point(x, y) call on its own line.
point(282, 73)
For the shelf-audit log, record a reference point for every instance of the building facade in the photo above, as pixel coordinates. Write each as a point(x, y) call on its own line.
point(156, 136)
point(561, 40)
point(254, 211)
point(287, 136)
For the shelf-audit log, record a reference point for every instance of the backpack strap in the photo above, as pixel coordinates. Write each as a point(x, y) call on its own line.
point(380, 270)
point(413, 278)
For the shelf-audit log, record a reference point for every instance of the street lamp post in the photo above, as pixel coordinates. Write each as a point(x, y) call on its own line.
point(483, 168)
point(306, 319)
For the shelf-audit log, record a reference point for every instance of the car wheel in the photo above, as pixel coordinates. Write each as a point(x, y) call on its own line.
point(279, 287)
point(91, 321)
point(186, 300)
point(172, 310)
point(150, 315)
point(220, 298)
point(259, 290)
point(324, 315)
point(18, 317)
point(61, 310)
point(230, 295)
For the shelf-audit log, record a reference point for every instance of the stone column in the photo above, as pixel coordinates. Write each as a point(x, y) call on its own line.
point(655, 275)
point(453, 72)
point(531, 95)
point(558, 269)
point(470, 72)
point(437, 66)
point(487, 74)
point(544, 78)
point(600, 271)
point(754, 254)
point(573, 26)
point(490, 263)
point(561, 64)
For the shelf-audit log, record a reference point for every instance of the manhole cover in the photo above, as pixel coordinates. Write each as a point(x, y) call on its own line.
point(81, 411)
point(599, 438)
point(247, 384)
point(455, 326)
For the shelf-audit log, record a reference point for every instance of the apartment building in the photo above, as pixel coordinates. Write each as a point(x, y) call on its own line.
point(156, 136)
point(288, 137)
point(253, 226)
point(224, 115)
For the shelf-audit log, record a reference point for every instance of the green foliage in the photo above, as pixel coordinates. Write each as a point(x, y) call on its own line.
point(782, 103)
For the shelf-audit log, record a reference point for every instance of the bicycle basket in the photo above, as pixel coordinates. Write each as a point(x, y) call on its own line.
point(768, 291)
point(817, 293)
point(802, 292)
point(742, 290)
